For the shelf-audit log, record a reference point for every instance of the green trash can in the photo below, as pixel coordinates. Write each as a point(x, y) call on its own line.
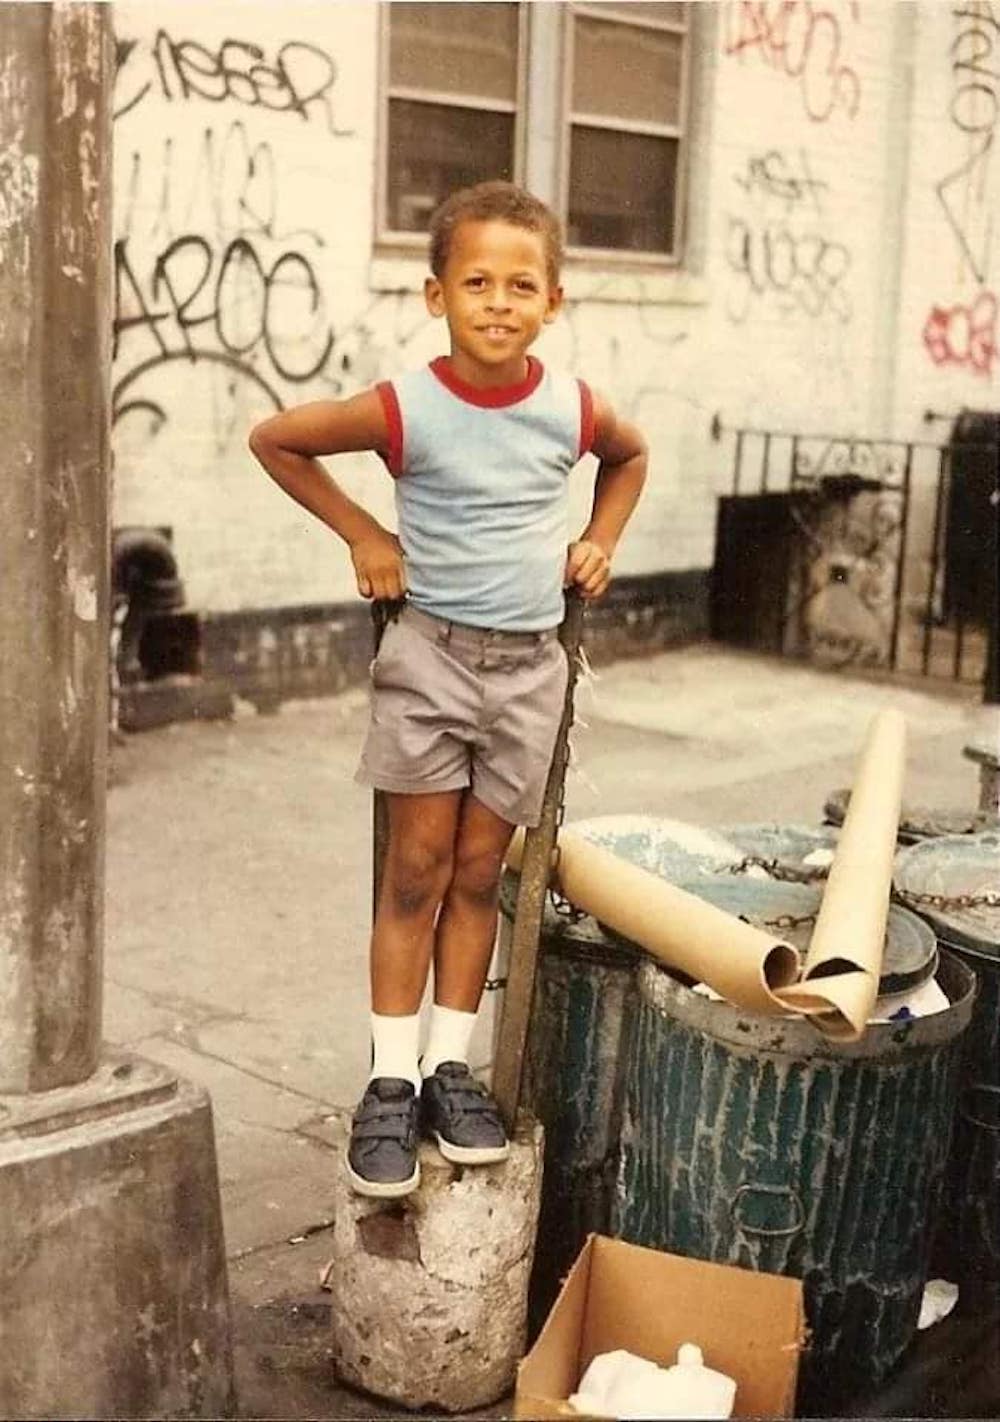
point(754, 1141)
point(583, 1008)
point(950, 882)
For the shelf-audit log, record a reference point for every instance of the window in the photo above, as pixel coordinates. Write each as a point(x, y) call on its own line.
point(624, 137)
point(587, 103)
point(453, 86)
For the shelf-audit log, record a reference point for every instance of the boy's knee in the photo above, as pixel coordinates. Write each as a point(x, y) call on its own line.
point(418, 874)
point(477, 876)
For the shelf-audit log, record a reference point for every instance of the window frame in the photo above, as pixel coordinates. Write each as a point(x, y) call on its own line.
point(611, 256)
point(395, 240)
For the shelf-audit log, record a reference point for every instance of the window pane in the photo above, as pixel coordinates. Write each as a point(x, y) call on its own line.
point(454, 48)
point(645, 65)
point(622, 188)
point(672, 14)
point(435, 148)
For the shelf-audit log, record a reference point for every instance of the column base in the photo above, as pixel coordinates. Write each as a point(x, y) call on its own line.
point(113, 1290)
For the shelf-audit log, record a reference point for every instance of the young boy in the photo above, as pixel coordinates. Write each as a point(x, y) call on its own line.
point(470, 678)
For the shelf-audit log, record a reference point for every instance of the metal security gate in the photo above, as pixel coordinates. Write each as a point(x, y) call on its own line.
point(870, 553)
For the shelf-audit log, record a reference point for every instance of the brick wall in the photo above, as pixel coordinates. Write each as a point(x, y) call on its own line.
point(244, 213)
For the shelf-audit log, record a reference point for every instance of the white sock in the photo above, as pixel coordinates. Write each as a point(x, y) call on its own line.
point(449, 1038)
point(396, 1042)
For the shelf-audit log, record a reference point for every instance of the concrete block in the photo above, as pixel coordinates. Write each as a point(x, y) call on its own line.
point(113, 1292)
point(429, 1293)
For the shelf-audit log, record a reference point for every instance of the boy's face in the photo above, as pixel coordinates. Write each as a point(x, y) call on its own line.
point(496, 296)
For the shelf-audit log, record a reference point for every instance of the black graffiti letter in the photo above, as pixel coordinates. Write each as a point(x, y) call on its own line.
point(294, 263)
point(240, 297)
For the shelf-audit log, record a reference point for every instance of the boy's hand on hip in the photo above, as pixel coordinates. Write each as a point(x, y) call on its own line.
point(378, 566)
point(588, 569)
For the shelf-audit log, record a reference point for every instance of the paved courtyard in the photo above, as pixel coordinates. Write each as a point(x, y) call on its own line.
point(239, 871)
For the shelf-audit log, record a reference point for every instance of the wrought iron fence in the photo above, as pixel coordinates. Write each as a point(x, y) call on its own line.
point(877, 552)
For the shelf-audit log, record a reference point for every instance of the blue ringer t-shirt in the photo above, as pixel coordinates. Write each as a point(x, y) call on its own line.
point(481, 491)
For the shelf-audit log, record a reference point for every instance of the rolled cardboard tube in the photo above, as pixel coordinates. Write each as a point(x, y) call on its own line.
point(843, 963)
point(742, 963)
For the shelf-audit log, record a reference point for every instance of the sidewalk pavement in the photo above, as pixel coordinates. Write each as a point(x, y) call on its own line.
point(239, 874)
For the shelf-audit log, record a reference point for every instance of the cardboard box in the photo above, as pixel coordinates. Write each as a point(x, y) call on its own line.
point(618, 1295)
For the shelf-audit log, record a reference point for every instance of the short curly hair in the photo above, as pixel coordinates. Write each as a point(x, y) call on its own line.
point(495, 201)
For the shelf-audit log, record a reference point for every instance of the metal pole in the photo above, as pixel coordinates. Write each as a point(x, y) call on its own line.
point(991, 674)
point(532, 888)
point(939, 501)
point(380, 806)
point(897, 592)
point(55, 133)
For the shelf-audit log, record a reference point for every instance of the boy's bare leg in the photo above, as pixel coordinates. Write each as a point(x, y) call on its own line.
point(418, 868)
point(382, 1158)
point(463, 944)
point(457, 1111)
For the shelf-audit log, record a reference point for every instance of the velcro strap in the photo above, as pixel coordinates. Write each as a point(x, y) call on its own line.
point(387, 1129)
point(470, 1103)
point(379, 1110)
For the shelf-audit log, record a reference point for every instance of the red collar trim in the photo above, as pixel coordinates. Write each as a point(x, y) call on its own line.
point(492, 397)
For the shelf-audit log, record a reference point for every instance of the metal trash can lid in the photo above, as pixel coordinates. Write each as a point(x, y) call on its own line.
point(673, 849)
point(920, 822)
point(789, 847)
point(910, 956)
point(948, 870)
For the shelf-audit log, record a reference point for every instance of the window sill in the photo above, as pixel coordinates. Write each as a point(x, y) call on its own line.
point(581, 282)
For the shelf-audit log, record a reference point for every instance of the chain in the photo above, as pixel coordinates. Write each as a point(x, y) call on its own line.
point(783, 920)
point(990, 899)
point(777, 870)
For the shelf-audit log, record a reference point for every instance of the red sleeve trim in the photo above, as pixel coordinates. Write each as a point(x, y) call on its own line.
point(586, 419)
point(394, 419)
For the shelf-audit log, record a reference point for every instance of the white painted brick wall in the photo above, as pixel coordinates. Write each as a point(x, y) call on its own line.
point(806, 139)
point(952, 253)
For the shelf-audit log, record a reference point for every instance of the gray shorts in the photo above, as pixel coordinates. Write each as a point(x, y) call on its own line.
point(456, 706)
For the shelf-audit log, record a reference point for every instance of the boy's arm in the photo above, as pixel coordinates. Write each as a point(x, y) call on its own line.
point(287, 445)
point(621, 474)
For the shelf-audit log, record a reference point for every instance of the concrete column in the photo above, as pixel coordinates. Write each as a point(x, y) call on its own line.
point(55, 243)
point(108, 1183)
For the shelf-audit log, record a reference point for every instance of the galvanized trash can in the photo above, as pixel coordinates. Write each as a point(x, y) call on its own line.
point(755, 1141)
point(585, 999)
point(954, 883)
point(920, 822)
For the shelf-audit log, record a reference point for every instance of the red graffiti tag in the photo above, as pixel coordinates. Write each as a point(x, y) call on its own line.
point(802, 40)
point(964, 335)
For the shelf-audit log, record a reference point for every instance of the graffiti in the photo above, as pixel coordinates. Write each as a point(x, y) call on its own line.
point(805, 268)
point(230, 188)
point(964, 336)
point(973, 111)
point(777, 247)
point(803, 41)
point(197, 303)
point(298, 80)
point(773, 175)
point(804, 271)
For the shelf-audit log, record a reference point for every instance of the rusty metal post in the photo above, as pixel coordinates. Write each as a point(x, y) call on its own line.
point(381, 612)
point(534, 881)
